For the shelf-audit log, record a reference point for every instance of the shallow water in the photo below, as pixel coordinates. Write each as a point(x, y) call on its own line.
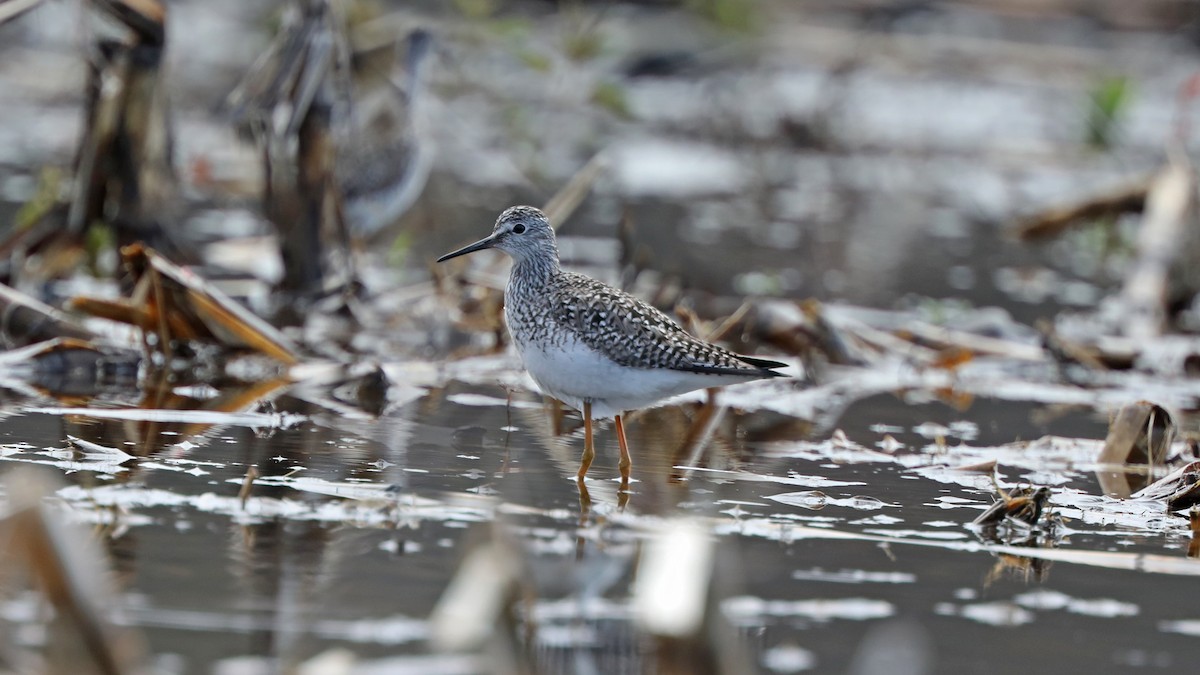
point(828, 549)
point(878, 166)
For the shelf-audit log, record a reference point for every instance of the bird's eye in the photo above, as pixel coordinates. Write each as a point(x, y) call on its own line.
point(518, 229)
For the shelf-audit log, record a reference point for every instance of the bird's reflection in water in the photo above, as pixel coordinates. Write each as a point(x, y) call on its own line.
point(571, 625)
point(670, 442)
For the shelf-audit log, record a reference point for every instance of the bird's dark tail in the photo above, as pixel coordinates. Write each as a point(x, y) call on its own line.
point(766, 364)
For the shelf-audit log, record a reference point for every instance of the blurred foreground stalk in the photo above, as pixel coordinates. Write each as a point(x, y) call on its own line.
point(286, 103)
point(67, 567)
point(123, 173)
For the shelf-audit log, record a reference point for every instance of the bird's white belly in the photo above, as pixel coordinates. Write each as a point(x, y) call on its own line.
point(574, 373)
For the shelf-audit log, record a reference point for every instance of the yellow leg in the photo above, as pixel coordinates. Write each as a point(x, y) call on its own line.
point(589, 452)
point(585, 503)
point(625, 462)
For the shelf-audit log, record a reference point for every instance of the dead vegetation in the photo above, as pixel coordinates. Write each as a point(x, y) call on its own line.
point(159, 349)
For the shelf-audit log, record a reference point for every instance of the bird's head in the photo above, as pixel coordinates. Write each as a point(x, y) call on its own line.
point(522, 232)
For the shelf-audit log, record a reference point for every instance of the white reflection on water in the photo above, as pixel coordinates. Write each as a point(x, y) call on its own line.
point(990, 613)
point(1182, 626)
point(854, 576)
point(789, 659)
point(747, 610)
point(1046, 599)
point(384, 511)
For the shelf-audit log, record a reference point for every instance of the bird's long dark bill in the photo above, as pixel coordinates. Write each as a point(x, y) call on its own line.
point(486, 242)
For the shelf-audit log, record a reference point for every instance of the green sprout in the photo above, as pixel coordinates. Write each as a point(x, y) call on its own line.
point(1107, 101)
point(611, 97)
point(734, 15)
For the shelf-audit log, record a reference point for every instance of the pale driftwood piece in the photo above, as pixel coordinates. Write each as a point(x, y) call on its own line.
point(1139, 437)
point(25, 320)
point(1170, 355)
point(14, 8)
point(888, 343)
point(1065, 351)
point(1179, 489)
point(1128, 198)
point(988, 467)
point(978, 344)
point(1164, 272)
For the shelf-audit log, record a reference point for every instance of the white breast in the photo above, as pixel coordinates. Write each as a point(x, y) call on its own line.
point(574, 373)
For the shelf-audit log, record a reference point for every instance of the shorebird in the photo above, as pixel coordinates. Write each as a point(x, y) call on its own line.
point(594, 347)
point(384, 161)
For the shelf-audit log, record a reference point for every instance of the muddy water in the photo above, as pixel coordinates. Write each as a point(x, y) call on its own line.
point(356, 526)
point(855, 166)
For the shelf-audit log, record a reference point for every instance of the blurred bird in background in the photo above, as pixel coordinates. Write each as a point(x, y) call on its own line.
point(335, 104)
point(385, 152)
